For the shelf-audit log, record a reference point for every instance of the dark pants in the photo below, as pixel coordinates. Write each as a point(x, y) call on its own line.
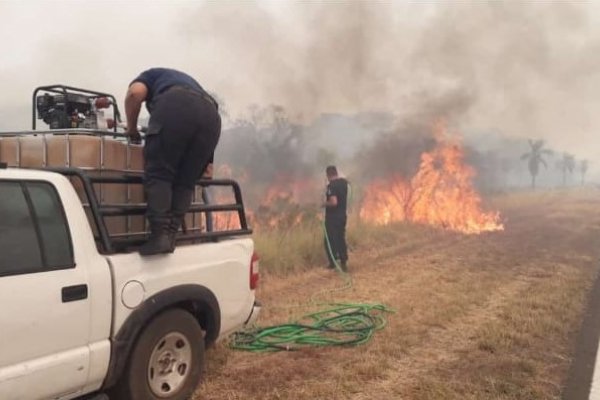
point(183, 132)
point(336, 233)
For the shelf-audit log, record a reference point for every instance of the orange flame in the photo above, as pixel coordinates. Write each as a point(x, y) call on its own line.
point(229, 220)
point(279, 207)
point(440, 194)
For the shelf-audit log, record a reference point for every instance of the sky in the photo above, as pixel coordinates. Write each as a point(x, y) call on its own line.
point(522, 69)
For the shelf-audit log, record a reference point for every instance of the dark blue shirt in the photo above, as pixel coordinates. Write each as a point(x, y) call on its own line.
point(158, 80)
point(339, 188)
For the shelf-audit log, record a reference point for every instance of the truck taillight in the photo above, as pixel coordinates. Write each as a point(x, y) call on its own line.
point(254, 271)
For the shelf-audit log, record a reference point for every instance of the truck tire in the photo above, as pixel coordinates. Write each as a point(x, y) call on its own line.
point(166, 362)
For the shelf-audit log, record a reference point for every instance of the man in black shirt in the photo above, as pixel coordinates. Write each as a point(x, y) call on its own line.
point(335, 218)
point(183, 131)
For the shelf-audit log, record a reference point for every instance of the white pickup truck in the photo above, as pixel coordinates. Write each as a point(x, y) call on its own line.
point(83, 312)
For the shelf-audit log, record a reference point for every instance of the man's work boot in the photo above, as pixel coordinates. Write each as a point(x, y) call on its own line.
point(174, 226)
point(182, 198)
point(158, 194)
point(159, 241)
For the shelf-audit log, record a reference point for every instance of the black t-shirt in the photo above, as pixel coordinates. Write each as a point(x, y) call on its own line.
point(339, 188)
point(158, 80)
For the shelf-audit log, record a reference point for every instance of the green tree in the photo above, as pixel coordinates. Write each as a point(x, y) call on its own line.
point(535, 157)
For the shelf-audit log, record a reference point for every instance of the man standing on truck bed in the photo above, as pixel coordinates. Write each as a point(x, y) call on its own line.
point(182, 134)
point(335, 218)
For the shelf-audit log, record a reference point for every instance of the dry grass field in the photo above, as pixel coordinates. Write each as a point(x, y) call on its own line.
point(491, 316)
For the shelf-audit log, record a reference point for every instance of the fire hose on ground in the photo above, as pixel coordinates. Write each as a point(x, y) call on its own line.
point(340, 325)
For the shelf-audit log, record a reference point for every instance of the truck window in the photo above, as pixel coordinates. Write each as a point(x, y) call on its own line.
point(19, 248)
point(34, 236)
point(56, 241)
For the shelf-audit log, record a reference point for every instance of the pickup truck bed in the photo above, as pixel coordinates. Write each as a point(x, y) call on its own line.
point(82, 311)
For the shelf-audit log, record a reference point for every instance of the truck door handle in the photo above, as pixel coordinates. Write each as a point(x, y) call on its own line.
point(74, 293)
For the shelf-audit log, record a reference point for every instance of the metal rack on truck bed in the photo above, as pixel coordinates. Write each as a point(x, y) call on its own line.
point(107, 171)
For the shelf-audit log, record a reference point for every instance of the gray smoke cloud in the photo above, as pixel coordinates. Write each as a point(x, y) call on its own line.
point(523, 69)
point(526, 69)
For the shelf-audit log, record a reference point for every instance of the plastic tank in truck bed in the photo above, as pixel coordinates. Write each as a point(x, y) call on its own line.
point(89, 151)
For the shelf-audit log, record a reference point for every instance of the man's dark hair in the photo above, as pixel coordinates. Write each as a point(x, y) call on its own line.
point(331, 170)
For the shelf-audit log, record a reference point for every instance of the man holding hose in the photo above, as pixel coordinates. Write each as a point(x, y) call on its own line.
point(335, 218)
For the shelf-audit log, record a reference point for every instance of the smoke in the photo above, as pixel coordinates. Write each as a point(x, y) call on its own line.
point(267, 147)
point(526, 69)
point(310, 58)
point(523, 69)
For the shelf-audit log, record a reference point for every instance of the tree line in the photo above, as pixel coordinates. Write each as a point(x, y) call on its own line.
point(566, 164)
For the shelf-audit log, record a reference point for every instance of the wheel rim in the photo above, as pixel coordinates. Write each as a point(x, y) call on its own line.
point(170, 364)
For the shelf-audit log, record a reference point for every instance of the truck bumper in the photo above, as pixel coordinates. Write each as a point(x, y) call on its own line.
point(253, 314)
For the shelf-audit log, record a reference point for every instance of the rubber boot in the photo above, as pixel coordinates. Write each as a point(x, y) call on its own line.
point(158, 195)
point(182, 199)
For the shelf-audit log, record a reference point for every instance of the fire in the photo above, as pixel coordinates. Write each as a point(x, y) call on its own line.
point(281, 205)
point(228, 220)
point(284, 204)
point(440, 194)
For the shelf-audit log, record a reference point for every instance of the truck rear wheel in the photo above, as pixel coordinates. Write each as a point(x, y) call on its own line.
point(167, 360)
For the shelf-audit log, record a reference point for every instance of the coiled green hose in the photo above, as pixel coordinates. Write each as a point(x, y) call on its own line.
point(341, 325)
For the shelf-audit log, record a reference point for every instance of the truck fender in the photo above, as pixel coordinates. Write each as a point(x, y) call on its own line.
point(196, 299)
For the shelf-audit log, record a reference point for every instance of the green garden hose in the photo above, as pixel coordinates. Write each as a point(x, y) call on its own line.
point(341, 325)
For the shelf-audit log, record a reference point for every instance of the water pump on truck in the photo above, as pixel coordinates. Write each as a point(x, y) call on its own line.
point(65, 107)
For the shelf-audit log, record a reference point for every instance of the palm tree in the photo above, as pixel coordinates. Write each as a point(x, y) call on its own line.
point(583, 167)
point(566, 165)
point(535, 158)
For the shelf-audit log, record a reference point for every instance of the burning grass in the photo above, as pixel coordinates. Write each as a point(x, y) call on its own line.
point(440, 194)
point(490, 316)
